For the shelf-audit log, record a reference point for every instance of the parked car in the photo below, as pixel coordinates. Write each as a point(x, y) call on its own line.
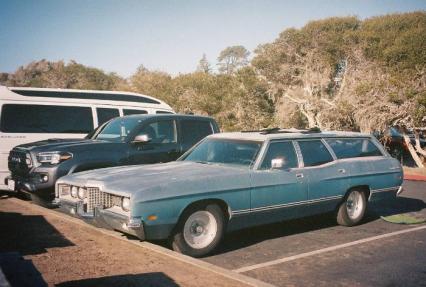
point(231, 181)
point(128, 140)
point(35, 114)
point(394, 143)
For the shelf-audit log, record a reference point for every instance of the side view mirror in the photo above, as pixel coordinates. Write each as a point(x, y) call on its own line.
point(277, 163)
point(141, 139)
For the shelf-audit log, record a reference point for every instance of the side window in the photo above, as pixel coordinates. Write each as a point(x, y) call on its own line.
point(160, 132)
point(348, 148)
point(163, 112)
point(45, 119)
point(105, 114)
point(128, 112)
point(280, 150)
point(193, 131)
point(314, 153)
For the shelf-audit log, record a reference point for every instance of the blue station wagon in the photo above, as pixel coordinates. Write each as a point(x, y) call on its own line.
point(231, 181)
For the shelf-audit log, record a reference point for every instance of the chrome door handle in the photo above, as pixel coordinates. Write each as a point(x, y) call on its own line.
point(299, 175)
point(342, 170)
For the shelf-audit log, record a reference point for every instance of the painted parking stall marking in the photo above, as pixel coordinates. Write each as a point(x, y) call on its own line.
point(327, 249)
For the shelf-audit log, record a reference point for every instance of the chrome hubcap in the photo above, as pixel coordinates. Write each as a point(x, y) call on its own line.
point(354, 204)
point(200, 229)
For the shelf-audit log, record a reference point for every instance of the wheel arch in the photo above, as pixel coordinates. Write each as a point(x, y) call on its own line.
point(364, 188)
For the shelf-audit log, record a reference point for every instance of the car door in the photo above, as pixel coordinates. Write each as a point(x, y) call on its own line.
point(278, 190)
point(328, 179)
point(162, 145)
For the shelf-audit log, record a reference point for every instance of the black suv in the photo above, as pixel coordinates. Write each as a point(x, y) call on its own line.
point(129, 140)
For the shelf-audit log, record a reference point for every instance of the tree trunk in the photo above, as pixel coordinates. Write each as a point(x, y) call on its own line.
point(412, 151)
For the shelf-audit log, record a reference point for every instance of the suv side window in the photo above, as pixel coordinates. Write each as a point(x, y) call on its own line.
point(105, 114)
point(314, 152)
point(280, 150)
point(17, 118)
point(193, 131)
point(349, 148)
point(160, 132)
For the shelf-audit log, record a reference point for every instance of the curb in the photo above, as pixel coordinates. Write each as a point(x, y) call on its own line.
point(416, 177)
point(154, 248)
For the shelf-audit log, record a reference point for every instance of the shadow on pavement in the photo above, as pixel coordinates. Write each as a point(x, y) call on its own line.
point(143, 279)
point(28, 234)
point(247, 237)
point(19, 271)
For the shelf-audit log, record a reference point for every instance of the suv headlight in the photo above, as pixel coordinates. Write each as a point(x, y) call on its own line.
point(53, 157)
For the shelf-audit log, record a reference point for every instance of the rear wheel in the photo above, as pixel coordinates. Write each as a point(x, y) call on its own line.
point(199, 231)
point(352, 209)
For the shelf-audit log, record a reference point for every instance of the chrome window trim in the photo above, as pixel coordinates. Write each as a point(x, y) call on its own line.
point(285, 205)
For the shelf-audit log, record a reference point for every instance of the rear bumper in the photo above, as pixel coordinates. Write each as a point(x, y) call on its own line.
point(106, 218)
point(385, 193)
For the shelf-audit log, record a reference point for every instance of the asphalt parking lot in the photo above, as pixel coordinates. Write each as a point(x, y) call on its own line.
point(317, 252)
point(312, 251)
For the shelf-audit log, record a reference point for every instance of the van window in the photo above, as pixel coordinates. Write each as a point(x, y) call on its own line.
point(127, 112)
point(193, 131)
point(314, 152)
point(46, 119)
point(163, 112)
point(105, 114)
point(348, 148)
point(280, 150)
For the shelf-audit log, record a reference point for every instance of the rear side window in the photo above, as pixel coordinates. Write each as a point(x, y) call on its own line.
point(193, 131)
point(314, 153)
point(105, 114)
point(163, 112)
point(46, 119)
point(128, 112)
point(280, 150)
point(348, 148)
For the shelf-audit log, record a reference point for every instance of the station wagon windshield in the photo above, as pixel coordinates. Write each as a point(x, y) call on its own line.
point(225, 151)
point(118, 129)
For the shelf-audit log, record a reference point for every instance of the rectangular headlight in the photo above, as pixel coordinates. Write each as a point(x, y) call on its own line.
point(64, 190)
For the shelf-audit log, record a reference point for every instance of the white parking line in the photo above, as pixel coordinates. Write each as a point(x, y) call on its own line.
point(323, 250)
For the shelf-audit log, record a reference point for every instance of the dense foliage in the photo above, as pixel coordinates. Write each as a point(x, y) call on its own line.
point(337, 73)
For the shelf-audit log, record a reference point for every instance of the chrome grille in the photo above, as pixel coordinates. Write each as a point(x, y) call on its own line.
point(97, 198)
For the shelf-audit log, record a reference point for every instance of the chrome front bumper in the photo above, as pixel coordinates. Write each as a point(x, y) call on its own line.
point(106, 218)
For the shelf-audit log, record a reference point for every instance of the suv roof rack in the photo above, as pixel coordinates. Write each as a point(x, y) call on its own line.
point(277, 130)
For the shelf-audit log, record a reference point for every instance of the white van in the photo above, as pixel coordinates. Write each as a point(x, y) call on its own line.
point(33, 114)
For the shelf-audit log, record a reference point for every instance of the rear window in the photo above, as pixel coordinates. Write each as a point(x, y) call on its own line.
point(193, 131)
point(45, 119)
point(128, 112)
point(105, 114)
point(348, 148)
point(314, 153)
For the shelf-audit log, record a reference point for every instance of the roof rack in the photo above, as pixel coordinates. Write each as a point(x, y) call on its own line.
point(277, 130)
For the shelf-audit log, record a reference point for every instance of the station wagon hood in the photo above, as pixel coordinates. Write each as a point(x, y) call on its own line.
point(154, 181)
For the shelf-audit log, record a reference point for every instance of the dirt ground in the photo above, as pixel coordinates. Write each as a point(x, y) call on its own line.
point(68, 254)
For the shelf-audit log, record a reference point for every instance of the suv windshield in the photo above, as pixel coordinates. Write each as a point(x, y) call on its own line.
point(225, 151)
point(118, 129)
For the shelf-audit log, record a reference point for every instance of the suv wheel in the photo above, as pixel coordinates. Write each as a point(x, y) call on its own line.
point(199, 231)
point(352, 209)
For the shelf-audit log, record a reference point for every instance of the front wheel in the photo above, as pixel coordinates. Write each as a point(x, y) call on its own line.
point(199, 231)
point(352, 209)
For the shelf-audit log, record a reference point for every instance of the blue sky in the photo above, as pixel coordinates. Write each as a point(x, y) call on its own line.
point(118, 36)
